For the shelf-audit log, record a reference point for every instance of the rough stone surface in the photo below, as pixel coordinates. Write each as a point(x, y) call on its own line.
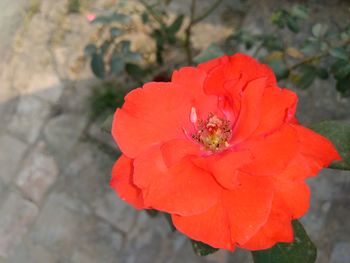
point(17, 214)
point(29, 118)
point(115, 211)
point(340, 253)
point(12, 150)
point(46, 86)
point(38, 173)
point(45, 130)
point(65, 128)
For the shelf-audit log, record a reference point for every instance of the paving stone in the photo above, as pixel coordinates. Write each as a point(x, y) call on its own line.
point(341, 253)
point(58, 224)
point(115, 211)
point(29, 252)
point(86, 175)
point(45, 85)
point(102, 136)
point(17, 215)
point(63, 132)
point(29, 118)
point(38, 173)
point(98, 241)
point(11, 153)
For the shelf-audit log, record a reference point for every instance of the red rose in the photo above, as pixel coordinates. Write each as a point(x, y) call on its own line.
point(219, 149)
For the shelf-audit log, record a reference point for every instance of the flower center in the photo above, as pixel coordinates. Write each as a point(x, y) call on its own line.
point(213, 133)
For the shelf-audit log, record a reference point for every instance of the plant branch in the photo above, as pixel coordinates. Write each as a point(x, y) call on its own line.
point(152, 12)
point(193, 21)
point(318, 56)
point(188, 32)
point(207, 12)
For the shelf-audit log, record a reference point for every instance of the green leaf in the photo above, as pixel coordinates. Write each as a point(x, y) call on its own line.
point(300, 11)
point(343, 86)
point(107, 124)
point(125, 44)
point(322, 73)
point(279, 18)
point(105, 46)
point(272, 43)
point(115, 32)
point(308, 75)
point(145, 18)
point(176, 25)
point(319, 30)
point(90, 49)
point(202, 249)
point(97, 65)
point(170, 221)
point(280, 68)
point(213, 51)
point(302, 250)
point(118, 17)
point(151, 212)
point(101, 20)
point(310, 47)
point(338, 133)
point(341, 69)
point(339, 52)
point(158, 36)
point(132, 57)
point(292, 24)
point(134, 71)
point(117, 65)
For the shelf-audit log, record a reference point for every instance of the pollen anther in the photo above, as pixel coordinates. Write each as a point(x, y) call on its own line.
point(213, 133)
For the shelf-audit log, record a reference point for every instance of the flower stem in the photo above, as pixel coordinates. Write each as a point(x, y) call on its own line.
point(318, 56)
point(193, 21)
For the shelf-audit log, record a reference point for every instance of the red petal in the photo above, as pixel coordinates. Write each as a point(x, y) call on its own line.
point(150, 115)
point(183, 189)
point(294, 194)
point(191, 81)
point(248, 207)
point(121, 182)
point(175, 150)
point(275, 105)
point(278, 228)
point(316, 146)
point(248, 119)
point(273, 153)
point(213, 63)
point(301, 167)
point(212, 227)
point(225, 166)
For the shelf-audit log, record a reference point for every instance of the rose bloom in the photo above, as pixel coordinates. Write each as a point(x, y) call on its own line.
point(219, 148)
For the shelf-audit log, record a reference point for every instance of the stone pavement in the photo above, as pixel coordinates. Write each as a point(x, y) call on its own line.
point(55, 203)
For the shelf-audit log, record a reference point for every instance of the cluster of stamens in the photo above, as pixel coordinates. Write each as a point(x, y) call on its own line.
point(213, 133)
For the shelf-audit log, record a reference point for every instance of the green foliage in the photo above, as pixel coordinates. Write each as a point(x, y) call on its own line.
point(301, 250)
point(74, 6)
point(114, 55)
point(163, 32)
point(339, 133)
point(290, 19)
point(170, 222)
point(97, 65)
point(213, 51)
point(321, 54)
point(105, 99)
point(202, 249)
point(33, 8)
point(307, 77)
point(280, 68)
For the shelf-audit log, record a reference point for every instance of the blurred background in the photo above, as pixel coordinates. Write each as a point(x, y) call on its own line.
point(67, 64)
